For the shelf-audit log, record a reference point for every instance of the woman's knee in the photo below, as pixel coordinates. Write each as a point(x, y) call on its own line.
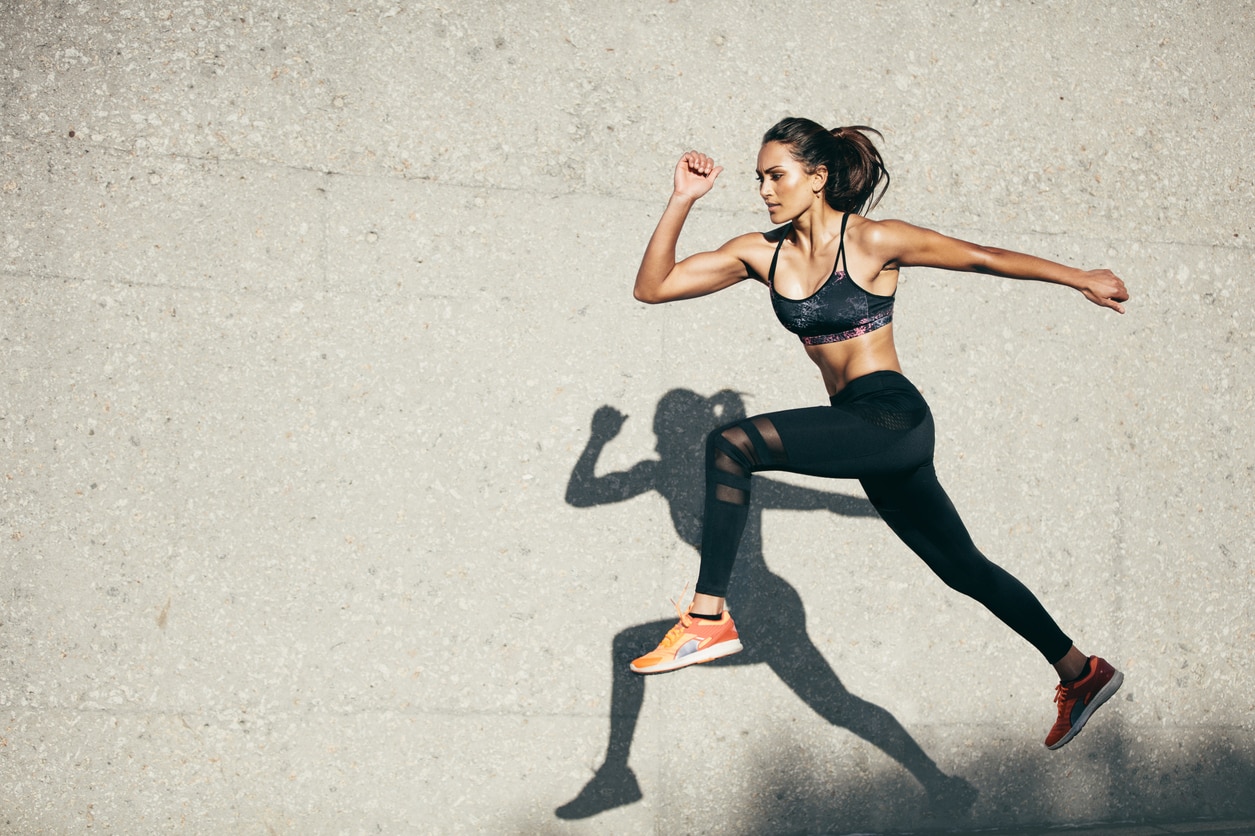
point(729, 449)
point(974, 576)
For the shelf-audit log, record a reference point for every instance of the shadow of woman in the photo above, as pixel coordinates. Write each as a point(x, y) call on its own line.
point(769, 613)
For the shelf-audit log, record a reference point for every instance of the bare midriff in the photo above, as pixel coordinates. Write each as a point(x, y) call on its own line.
point(841, 362)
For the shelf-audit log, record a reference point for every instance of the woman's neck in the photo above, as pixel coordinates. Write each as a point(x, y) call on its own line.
point(815, 228)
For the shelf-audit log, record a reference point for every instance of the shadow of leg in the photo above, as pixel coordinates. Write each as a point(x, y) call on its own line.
point(614, 784)
point(803, 668)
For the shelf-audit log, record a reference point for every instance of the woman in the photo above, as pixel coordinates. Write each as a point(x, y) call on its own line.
point(878, 429)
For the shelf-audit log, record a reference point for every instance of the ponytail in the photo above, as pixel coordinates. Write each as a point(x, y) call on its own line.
point(855, 167)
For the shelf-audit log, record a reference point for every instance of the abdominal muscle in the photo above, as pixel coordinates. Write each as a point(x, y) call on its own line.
point(839, 363)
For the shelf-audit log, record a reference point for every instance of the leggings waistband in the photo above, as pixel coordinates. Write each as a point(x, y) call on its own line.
point(885, 380)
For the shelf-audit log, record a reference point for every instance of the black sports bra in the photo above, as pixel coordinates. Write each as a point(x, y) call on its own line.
point(840, 310)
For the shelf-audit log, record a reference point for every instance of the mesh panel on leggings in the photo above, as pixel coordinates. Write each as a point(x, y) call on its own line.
point(900, 421)
point(746, 446)
point(725, 463)
point(767, 431)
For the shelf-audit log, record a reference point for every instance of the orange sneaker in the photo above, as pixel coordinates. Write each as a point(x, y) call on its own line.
point(1079, 699)
point(690, 642)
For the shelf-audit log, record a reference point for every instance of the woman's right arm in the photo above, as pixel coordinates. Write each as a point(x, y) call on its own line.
point(661, 278)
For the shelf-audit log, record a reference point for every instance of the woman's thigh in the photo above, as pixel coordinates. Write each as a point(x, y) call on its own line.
point(835, 443)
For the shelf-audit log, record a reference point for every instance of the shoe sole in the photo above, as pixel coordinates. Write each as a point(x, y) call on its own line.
point(710, 654)
point(1104, 694)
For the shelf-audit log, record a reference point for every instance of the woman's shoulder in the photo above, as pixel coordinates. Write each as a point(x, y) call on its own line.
point(753, 241)
point(871, 228)
point(876, 234)
point(755, 250)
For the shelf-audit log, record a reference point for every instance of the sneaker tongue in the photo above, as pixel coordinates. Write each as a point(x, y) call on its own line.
point(674, 634)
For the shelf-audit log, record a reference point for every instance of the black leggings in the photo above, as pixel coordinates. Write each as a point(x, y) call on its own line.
point(878, 430)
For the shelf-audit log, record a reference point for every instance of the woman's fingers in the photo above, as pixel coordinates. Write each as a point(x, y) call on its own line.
point(1107, 289)
point(699, 163)
point(695, 173)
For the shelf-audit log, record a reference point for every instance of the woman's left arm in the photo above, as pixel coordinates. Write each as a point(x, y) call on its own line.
point(902, 245)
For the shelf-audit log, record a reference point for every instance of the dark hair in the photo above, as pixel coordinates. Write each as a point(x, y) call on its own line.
point(855, 168)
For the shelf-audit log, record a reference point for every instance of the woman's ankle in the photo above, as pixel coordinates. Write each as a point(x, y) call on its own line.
point(706, 605)
point(1072, 665)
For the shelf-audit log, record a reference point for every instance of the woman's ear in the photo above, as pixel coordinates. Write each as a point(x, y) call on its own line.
point(819, 179)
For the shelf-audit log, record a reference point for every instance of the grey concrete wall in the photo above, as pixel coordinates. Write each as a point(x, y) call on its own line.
point(307, 311)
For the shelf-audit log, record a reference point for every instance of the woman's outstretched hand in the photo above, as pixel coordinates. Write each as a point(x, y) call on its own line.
point(695, 174)
point(1104, 288)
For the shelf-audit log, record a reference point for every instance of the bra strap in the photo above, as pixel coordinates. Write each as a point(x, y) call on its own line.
point(841, 248)
point(771, 274)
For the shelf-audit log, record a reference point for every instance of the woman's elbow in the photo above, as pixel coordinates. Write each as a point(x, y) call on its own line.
point(649, 297)
point(985, 259)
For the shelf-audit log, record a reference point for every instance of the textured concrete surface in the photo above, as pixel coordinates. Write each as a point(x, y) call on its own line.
point(307, 312)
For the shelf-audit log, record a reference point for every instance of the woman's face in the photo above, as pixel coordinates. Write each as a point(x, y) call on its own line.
point(783, 183)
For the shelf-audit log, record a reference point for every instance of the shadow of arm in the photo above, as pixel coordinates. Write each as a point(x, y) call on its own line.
point(585, 488)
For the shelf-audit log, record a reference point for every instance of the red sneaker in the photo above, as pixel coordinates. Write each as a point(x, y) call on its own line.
point(690, 642)
point(1080, 698)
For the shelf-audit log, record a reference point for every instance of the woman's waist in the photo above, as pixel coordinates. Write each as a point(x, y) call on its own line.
point(888, 389)
point(840, 364)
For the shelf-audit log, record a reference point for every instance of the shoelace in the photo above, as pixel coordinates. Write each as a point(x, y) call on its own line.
point(674, 634)
point(1063, 692)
